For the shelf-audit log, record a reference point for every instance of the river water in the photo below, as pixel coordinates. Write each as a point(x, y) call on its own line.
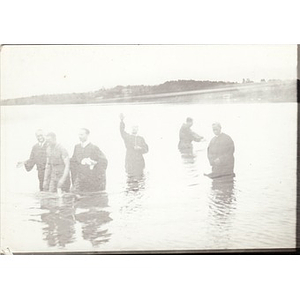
point(174, 207)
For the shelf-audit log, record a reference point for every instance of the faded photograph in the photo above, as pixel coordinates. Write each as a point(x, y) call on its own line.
point(116, 148)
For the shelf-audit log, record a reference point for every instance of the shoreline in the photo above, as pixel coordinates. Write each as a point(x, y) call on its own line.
point(230, 94)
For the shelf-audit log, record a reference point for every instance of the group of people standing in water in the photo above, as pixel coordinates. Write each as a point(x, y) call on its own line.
point(85, 171)
point(220, 151)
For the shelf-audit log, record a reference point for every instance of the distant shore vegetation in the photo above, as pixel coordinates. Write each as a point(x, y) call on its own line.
point(175, 91)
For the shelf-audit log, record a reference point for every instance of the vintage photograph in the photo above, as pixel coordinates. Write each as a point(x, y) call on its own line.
point(148, 148)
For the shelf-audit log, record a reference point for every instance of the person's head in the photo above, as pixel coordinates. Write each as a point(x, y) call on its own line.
point(83, 134)
point(134, 129)
point(40, 135)
point(51, 138)
point(189, 122)
point(216, 127)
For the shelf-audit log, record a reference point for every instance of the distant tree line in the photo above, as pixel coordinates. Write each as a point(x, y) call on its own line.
point(167, 87)
point(278, 91)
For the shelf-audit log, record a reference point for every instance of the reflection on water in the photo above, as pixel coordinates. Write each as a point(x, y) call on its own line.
point(135, 183)
point(59, 221)
point(222, 189)
point(191, 163)
point(187, 154)
point(222, 205)
point(172, 206)
point(93, 217)
point(188, 157)
point(133, 194)
point(64, 212)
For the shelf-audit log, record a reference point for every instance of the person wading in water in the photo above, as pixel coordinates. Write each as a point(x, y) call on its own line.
point(136, 147)
point(220, 153)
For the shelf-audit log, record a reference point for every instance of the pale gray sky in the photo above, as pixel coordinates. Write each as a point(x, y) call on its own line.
point(37, 70)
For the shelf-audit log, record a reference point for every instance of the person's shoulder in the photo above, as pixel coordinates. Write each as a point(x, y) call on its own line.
point(60, 147)
point(140, 137)
point(62, 150)
point(184, 126)
point(93, 146)
point(212, 139)
point(226, 136)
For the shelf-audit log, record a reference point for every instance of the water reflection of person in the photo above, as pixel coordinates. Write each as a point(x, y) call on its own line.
point(93, 217)
point(186, 137)
point(222, 205)
point(136, 147)
point(223, 188)
point(135, 183)
point(60, 221)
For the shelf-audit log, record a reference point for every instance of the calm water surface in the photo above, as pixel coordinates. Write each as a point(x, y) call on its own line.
point(174, 207)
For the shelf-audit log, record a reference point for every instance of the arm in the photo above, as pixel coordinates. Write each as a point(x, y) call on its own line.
point(187, 135)
point(30, 163)
point(142, 147)
point(196, 137)
point(124, 134)
point(61, 181)
point(47, 176)
point(181, 133)
point(227, 151)
point(211, 157)
point(103, 161)
point(99, 158)
point(74, 166)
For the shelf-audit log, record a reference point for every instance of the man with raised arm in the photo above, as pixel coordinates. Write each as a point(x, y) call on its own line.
point(136, 147)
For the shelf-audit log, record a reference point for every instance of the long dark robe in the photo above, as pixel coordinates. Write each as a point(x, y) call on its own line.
point(84, 178)
point(134, 161)
point(38, 157)
point(221, 147)
point(186, 137)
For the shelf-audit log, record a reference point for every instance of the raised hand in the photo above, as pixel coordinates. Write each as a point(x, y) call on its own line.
point(122, 117)
point(20, 164)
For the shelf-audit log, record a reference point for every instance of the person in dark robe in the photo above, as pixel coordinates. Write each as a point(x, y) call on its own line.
point(88, 165)
point(135, 148)
point(186, 137)
point(220, 153)
point(57, 173)
point(37, 158)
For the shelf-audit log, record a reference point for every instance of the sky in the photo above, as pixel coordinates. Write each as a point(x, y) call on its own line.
point(28, 70)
